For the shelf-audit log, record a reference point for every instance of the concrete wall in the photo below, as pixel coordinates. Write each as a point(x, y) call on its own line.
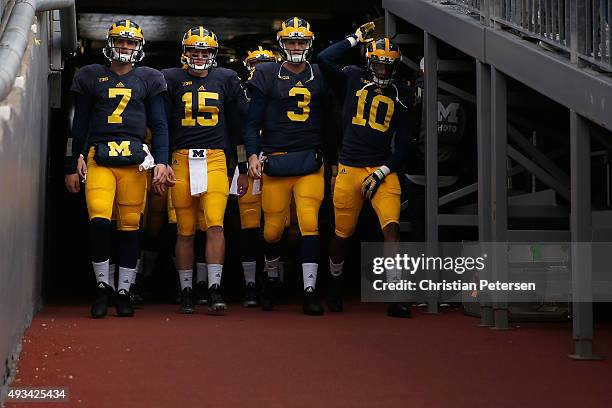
point(24, 117)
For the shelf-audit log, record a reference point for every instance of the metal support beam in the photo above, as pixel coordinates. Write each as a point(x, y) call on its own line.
point(431, 156)
point(483, 118)
point(455, 195)
point(499, 190)
point(540, 174)
point(581, 230)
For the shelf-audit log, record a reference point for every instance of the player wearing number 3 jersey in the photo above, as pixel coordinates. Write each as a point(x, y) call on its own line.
point(206, 107)
point(289, 104)
point(374, 111)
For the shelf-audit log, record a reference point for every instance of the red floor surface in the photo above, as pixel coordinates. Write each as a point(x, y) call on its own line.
point(360, 358)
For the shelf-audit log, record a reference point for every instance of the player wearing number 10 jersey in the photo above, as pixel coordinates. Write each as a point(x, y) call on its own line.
point(374, 111)
point(206, 107)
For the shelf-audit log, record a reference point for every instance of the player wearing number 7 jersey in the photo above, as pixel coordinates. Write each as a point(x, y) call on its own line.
point(113, 107)
point(374, 110)
point(206, 107)
point(289, 104)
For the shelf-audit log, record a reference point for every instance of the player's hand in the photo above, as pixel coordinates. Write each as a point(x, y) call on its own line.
point(243, 184)
point(159, 174)
point(170, 177)
point(254, 167)
point(73, 182)
point(365, 32)
point(81, 167)
point(371, 183)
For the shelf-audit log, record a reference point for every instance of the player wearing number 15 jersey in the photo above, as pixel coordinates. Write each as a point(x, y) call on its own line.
point(289, 104)
point(206, 107)
point(374, 111)
point(113, 107)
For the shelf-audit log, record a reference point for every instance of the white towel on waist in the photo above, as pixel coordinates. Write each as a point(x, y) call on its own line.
point(198, 171)
point(234, 186)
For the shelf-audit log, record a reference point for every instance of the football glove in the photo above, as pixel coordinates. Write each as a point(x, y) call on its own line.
point(371, 183)
point(365, 32)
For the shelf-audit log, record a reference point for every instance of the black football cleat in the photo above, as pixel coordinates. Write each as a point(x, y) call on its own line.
point(311, 304)
point(334, 294)
point(269, 293)
point(201, 293)
point(103, 299)
point(136, 292)
point(398, 309)
point(250, 295)
point(123, 305)
point(187, 301)
point(216, 304)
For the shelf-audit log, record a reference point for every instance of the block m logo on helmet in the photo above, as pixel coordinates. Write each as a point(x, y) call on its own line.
point(123, 148)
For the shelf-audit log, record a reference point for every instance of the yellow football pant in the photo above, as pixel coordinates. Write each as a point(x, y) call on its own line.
point(211, 203)
point(125, 185)
point(276, 201)
point(348, 199)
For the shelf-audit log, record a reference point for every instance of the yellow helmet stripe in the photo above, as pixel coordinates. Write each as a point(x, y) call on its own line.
point(387, 46)
point(295, 22)
point(201, 31)
point(127, 23)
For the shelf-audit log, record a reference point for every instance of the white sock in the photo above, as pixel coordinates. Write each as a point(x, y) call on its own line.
point(249, 268)
point(281, 271)
point(126, 277)
point(101, 271)
point(272, 267)
point(111, 275)
point(214, 274)
point(202, 271)
point(150, 260)
point(186, 278)
point(335, 269)
point(309, 271)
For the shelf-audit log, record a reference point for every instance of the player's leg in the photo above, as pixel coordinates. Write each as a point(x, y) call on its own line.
point(213, 203)
point(100, 191)
point(386, 203)
point(186, 208)
point(249, 207)
point(201, 287)
point(131, 188)
point(275, 199)
point(348, 202)
point(308, 193)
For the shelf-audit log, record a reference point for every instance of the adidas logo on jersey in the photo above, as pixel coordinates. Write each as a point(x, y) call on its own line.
point(299, 83)
point(201, 88)
point(120, 85)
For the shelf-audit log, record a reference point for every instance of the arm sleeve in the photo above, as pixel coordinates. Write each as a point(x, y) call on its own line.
point(403, 135)
point(254, 121)
point(328, 61)
point(80, 129)
point(236, 113)
point(158, 123)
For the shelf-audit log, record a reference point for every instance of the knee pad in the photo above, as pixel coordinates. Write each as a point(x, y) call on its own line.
point(274, 227)
point(129, 219)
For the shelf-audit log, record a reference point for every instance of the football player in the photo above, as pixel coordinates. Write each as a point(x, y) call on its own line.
point(249, 205)
point(206, 106)
point(113, 106)
point(374, 110)
point(289, 104)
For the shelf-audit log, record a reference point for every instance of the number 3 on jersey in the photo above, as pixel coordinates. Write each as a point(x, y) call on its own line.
point(303, 104)
point(359, 118)
point(188, 120)
point(126, 95)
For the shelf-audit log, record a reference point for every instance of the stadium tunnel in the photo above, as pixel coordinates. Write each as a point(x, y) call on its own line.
point(532, 172)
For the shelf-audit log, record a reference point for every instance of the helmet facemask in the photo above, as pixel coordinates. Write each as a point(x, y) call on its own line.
point(199, 64)
point(295, 56)
point(122, 54)
point(382, 70)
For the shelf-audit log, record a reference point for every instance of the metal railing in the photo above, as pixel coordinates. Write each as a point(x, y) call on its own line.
point(555, 23)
